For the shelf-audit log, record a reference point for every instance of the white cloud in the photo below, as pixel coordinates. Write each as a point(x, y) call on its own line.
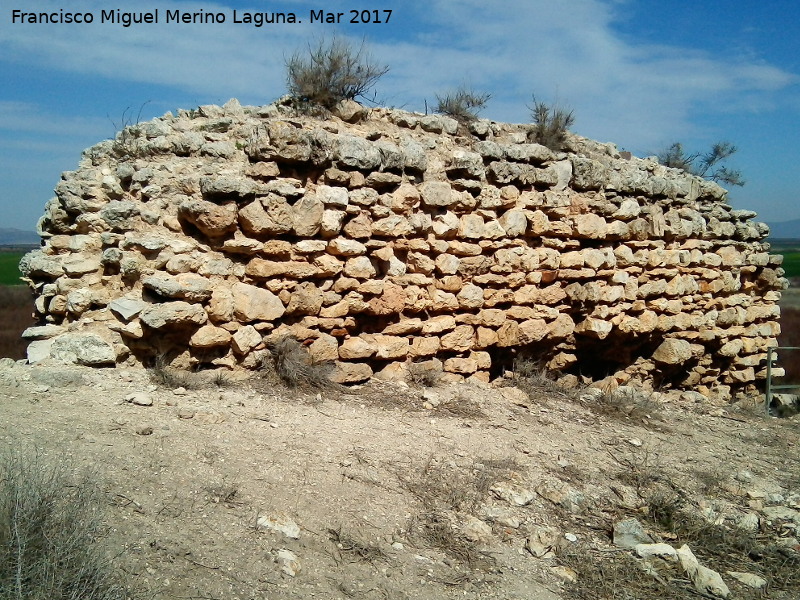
point(638, 95)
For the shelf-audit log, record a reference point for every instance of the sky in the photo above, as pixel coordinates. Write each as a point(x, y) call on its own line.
point(640, 73)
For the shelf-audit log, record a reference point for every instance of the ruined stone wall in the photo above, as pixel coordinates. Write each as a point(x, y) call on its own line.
point(398, 238)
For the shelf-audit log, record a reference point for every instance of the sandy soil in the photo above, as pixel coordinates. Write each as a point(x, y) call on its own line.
point(381, 496)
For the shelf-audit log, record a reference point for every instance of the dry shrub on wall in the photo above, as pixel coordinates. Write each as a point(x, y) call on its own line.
point(331, 71)
point(462, 104)
point(550, 124)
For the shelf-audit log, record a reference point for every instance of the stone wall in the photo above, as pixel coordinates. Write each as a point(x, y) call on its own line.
point(391, 238)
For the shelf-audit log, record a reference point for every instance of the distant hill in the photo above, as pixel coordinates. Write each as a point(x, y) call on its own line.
point(18, 237)
point(785, 229)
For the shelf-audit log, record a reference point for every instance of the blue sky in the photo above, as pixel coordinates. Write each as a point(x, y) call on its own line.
point(641, 74)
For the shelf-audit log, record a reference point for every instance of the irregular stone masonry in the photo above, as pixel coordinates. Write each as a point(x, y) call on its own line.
point(399, 241)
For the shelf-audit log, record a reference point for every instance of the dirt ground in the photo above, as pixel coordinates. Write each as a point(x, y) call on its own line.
point(394, 492)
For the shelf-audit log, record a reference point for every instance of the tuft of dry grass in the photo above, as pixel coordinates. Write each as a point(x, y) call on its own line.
point(463, 104)
point(295, 367)
point(627, 406)
point(551, 124)
point(330, 71)
point(165, 376)
point(50, 524)
point(444, 491)
point(533, 378)
point(354, 548)
point(424, 376)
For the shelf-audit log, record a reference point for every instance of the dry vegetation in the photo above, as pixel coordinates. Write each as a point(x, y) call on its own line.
point(50, 525)
point(330, 71)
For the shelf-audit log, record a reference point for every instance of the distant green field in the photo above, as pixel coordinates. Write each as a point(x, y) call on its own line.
point(9, 271)
point(791, 264)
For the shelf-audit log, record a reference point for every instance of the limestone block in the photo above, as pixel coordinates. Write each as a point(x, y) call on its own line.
point(530, 153)
point(461, 339)
point(523, 174)
point(359, 227)
point(414, 156)
point(532, 330)
point(508, 334)
point(391, 302)
point(592, 327)
point(251, 303)
point(305, 299)
point(465, 366)
point(392, 226)
point(572, 260)
point(324, 348)
point(209, 336)
point(514, 222)
point(588, 174)
point(491, 317)
point(79, 301)
point(356, 347)
point(79, 264)
point(81, 349)
point(439, 324)
point(344, 247)
point(562, 327)
point(339, 309)
point(271, 215)
point(331, 223)
point(460, 248)
point(303, 246)
point(359, 267)
point(485, 337)
point(489, 149)
point(404, 327)
point(210, 218)
point(443, 301)
point(628, 209)
point(177, 313)
point(220, 307)
point(446, 225)
point(519, 259)
point(589, 226)
point(497, 297)
point(472, 266)
point(673, 351)
point(347, 372)
point(387, 346)
point(424, 346)
point(216, 266)
point(470, 296)
point(465, 162)
point(260, 268)
point(327, 265)
point(186, 286)
point(539, 223)
point(356, 152)
point(307, 215)
point(420, 263)
point(332, 196)
point(437, 193)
